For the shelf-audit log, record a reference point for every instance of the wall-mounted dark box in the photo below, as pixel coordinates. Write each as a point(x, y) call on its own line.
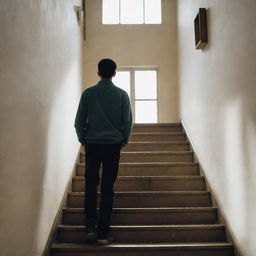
point(200, 26)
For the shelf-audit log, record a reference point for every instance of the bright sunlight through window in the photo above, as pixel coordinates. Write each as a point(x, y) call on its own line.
point(141, 86)
point(131, 12)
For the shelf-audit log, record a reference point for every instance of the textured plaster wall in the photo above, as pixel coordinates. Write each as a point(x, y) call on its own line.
point(40, 84)
point(218, 89)
point(136, 45)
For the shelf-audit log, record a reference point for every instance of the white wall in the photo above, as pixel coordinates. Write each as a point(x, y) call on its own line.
point(218, 90)
point(136, 45)
point(40, 84)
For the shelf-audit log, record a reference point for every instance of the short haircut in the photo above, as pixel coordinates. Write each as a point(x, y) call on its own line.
point(106, 68)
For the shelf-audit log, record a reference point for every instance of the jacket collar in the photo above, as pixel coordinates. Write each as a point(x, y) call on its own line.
point(105, 82)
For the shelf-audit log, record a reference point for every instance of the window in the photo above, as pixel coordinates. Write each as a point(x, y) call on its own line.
point(122, 79)
point(131, 12)
point(141, 86)
point(145, 96)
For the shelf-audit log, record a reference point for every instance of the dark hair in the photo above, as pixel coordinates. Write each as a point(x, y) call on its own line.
point(106, 68)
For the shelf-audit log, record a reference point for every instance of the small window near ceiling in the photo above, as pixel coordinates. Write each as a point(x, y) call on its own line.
point(131, 12)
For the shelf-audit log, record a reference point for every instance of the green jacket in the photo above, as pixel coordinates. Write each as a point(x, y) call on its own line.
point(104, 115)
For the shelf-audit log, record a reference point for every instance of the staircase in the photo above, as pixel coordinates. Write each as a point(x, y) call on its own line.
point(161, 206)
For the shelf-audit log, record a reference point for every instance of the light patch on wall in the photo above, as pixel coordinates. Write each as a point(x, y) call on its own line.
point(235, 189)
point(58, 150)
point(249, 145)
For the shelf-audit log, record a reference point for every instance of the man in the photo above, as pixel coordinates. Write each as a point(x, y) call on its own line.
point(103, 125)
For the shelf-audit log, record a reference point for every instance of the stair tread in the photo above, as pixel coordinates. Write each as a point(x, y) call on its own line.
point(150, 209)
point(148, 227)
point(153, 164)
point(188, 152)
point(139, 246)
point(162, 133)
point(177, 124)
point(159, 142)
point(171, 142)
point(152, 192)
point(189, 177)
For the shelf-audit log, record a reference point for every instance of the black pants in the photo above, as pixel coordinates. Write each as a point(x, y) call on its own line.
point(108, 155)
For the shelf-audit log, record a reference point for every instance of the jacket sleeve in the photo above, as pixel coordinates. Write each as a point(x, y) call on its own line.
point(81, 119)
point(126, 119)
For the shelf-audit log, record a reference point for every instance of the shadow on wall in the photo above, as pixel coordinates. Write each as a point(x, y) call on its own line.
point(39, 66)
point(209, 31)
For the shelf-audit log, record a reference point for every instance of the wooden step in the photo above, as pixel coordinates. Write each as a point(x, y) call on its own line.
point(161, 205)
point(157, 156)
point(150, 234)
point(158, 136)
point(152, 169)
point(149, 183)
point(171, 249)
point(159, 127)
point(150, 199)
point(156, 146)
point(149, 216)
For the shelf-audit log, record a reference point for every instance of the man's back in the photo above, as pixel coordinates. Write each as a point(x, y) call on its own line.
point(107, 112)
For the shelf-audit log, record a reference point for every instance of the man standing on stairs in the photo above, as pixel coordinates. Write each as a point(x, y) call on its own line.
point(103, 125)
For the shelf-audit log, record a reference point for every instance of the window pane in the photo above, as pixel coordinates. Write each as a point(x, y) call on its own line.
point(110, 11)
point(145, 85)
point(153, 12)
point(122, 80)
point(146, 111)
point(131, 11)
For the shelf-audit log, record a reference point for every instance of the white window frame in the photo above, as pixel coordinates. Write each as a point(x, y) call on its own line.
point(132, 71)
point(119, 15)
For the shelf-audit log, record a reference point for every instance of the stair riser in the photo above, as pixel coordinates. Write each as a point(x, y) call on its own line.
point(157, 129)
point(135, 158)
point(149, 236)
point(156, 171)
point(149, 218)
point(152, 147)
point(152, 252)
point(149, 185)
point(158, 137)
point(124, 201)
